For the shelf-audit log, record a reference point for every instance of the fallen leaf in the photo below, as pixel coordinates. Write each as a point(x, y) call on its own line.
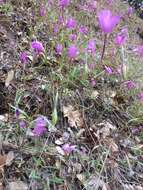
point(94, 183)
point(9, 158)
point(74, 116)
point(60, 150)
point(9, 78)
point(94, 94)
point(17, 185)
point(111, 144)
point(106, 129)
point(1, 186)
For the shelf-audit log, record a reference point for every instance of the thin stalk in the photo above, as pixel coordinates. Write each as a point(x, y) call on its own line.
point(104, 47)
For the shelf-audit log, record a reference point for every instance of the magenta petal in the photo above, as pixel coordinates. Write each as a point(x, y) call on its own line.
point(107, 21)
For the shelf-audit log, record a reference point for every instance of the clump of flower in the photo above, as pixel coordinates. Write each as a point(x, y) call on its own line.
point(40, 126)
point(91, 46)
point(59, 49)
point(83, 30)
point(130, 84)
point(42, 11)
point(120, 39)
point(67, 148)
point(107, 21)
point(130, 11)
point(64, 3)
point(22, 124)
point(37, 47)
point(138, 50)
point(23, 57)
point(72, 37)
point(108, 70)
point(71, 23)
point(72, 51)
point(140, 96)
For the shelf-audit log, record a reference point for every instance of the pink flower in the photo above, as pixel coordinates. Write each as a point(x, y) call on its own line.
point(92, 5)
point(107, 21)
point(22, 124)
point(42, 11)
point(40, 126)
point(37, 47)
point(56, 28)
point(23, 57)
point(139, 50)
point(72, 37)
point(140, 96)
point(93, 82)
point(72, 51)
point(64, 3)
point(120, 39)
point(83, 30)
point(130, 84)
point(91, 46)
point(67, 148)
point(108, 70)
point(70, 23)
point(59, 49)
point(130, 11)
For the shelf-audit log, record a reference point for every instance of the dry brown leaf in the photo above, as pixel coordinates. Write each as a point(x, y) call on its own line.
point(9, 78)
point(94, 94)
point(111, 144)
point(106, 130)
point(17, 185)
point(6, 159)
point(74, 116)
point(1, 186)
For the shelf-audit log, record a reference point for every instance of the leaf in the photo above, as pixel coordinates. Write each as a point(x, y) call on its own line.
point(17, 185)
point(74, 116)
point(60, 150)
point(9, 78)
point(9, 158)
point(94, 183)
point(5, 160)
point(112, 145)
point(106, 129)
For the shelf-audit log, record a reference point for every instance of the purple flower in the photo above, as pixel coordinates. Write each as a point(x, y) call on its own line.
point(120, 39)
point(23, 57)
point(67, 148)
point(83, 30)
point(130, 11)
point(70, 23)
point(56, 28)
point(40, 126)
point(37, 47)
point(72, 51)
point(139, 50)
point(140, 96)
point(108, 70)
point(42, 10)
point(72, 37)
point(130, 84)
point(17, 113)
point(93, 82)
point(22, 124)
point(91, 46)
point(59, 49)
point(64, 3)
point(92, 5)
point(107, 21)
